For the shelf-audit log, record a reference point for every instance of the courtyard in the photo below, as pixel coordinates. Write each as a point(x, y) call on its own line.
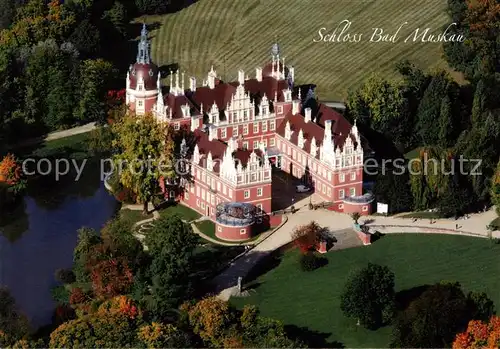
point(284, 192)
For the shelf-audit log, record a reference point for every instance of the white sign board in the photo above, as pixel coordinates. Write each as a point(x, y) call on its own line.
point(382, 208)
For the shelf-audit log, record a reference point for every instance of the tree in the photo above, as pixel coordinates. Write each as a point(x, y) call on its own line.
point(441, 90)
point(394, 189)
point(86, 38)
point(13, 325)
point(87, 239)
point(495, 189)
point(480, 307)
point(478, 22)
point(94, 83)
point(369, 296)
point(109, 330)
point(11, 174)
point(455, 200)
point(306, 237)
point(171, 243)
point(479, 335)
point(65, 276)
point(355, 217)
point(210, 318)
point(159, 335)
point(117, 15)
point(384, 104)
point(111, 277)
point(433, 319)
point(145, 150)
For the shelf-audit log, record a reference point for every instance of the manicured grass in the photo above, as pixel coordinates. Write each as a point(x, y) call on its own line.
point(238, 34)
point(73, 145)
point(134, 216)
point(207, 228)
point(422, 215)
point(311, 300)
point(184, 212)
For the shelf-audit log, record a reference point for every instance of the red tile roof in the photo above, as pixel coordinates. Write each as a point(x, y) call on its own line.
point(176, 103)
point(221, 95)
point(217, 148)
point(341, 128)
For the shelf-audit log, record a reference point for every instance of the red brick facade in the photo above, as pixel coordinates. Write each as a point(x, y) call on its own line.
point(241, 127)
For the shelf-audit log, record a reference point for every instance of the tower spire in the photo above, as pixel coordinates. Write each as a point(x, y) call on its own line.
point(143, 47)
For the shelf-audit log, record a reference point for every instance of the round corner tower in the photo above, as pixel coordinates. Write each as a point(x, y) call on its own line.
point(142, 79)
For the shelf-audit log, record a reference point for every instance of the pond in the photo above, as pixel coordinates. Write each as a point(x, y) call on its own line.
point(39, 236)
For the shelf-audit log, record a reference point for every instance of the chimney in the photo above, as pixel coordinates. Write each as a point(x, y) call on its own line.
point(211, 82)
point(241, 77)
point(192, 84)
point(295, 107)
point(307, 117)
point(258, 74)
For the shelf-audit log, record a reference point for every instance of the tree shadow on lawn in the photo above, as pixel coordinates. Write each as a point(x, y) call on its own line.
point(209, 262)
point(405, 297)
point(313, 339)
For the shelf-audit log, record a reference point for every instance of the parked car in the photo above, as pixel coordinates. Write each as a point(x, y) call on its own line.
point(302, 188)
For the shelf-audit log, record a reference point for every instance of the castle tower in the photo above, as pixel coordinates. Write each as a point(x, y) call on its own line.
point(142, 84)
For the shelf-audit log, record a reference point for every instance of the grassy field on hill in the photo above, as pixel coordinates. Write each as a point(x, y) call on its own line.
point(311, 300)
point(238, 34)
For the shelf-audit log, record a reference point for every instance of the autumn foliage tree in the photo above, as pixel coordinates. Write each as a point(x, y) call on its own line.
point(111, 277)
point(479, 335)
point(146, 152)
point(306, 237)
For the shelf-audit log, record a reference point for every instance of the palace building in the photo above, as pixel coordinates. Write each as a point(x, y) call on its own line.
point(245, 128)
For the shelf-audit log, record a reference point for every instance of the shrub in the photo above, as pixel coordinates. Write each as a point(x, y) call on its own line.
point(65, 276)
point(310, 261)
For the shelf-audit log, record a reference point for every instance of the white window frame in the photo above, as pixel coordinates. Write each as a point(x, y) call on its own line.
point(235, 130)
point(272, 125)
point(279, 109)
point(245, 129)
point(352, 191)
point(255, 144)
point(243, 231)
point(246, 194)
point(341, 206)
point(272, 142)
point(219, 229)
point(264, 126)
point(259, 191)
point(353, 176)
point(341, 194)
point(177, 126)
point(231, 193)
point(365, 208)
point(256, 127)
point(223, 133)
point(341, 177)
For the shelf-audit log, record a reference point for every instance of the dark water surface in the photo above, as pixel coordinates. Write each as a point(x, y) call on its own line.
point(39, 236)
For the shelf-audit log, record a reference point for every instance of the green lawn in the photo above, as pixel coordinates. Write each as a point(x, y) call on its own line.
point(422, 215)
point(238, 34)
point(73, 145)
point(184, 212)
point(311, 300)
point(134, 216)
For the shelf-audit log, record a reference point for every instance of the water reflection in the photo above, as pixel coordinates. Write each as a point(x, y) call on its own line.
point(40, 235)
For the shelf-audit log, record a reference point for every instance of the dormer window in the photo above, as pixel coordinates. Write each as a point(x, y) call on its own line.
point(150, 72)
point(264, 110)
point(133, 72)
point(140, 87)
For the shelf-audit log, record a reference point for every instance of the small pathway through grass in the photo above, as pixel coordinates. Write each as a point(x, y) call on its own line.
point(338, 222)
